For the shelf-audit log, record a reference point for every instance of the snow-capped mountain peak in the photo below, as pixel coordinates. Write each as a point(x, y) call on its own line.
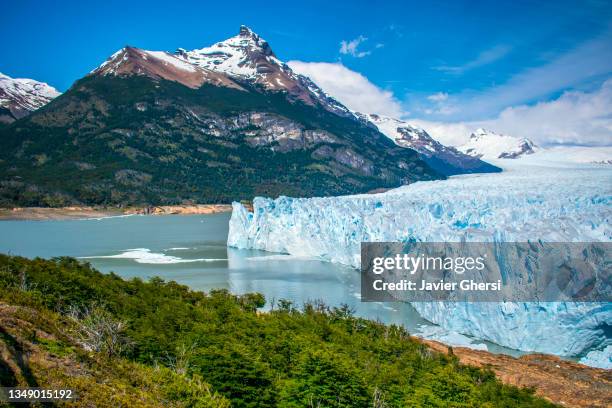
point(245, 55)
point(490, 145)
point(445, 159)
point(244, 60)
point(20, 96)
point(248, 58)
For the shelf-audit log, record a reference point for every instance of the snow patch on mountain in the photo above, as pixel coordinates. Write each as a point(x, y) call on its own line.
point(490, 145)
point(20, 96)
point(172, 60)
point(160, 64)
point(114, 64)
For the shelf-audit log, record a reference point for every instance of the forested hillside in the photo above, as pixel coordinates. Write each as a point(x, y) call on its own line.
point(136, 343)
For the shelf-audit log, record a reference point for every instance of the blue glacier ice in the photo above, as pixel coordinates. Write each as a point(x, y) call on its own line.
point(528, 201)
point(599, 358)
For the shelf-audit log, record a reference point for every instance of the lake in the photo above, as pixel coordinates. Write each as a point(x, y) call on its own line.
point(191, 250)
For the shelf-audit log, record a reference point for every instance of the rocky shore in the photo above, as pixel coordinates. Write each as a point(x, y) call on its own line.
point(79, 212)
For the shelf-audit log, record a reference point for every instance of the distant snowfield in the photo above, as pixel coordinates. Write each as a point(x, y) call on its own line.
point(545, 196)
point(561, 155)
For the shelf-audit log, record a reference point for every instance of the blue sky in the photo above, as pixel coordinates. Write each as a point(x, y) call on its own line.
point(439, 61)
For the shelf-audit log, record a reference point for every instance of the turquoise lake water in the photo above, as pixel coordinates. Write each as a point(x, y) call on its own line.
point(191, 250)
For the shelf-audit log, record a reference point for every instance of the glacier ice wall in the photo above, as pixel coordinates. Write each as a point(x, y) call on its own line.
point(570, 203)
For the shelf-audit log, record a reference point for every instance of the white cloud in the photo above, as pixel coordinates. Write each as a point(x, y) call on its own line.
point(351, 47)
point(583, 63)
point(438, 97)
point(484, 58)
point(351, 88)
point(575, 117)
point(450, 134)
point(576, 154)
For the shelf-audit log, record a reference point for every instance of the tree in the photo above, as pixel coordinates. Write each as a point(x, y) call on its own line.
point(326, 380)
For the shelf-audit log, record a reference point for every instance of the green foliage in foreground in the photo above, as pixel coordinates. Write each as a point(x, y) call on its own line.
point(318, 357)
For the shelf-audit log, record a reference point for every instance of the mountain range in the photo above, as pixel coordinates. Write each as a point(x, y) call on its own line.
point(444, 159)
point(216, 124)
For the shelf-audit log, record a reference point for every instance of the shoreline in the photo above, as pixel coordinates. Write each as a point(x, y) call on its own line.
point(83, 212)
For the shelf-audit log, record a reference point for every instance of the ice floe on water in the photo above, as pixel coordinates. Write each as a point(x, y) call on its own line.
point(106, 217)
point(145, 256)
point(568, 202)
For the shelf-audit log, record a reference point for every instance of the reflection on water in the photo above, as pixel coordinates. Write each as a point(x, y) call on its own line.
point(192, 251)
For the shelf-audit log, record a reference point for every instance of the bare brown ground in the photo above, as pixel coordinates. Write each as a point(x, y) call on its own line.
point(67, 213)
point(563, 382)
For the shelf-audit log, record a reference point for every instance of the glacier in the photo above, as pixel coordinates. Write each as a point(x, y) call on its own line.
point(530, 200)
point(599, 358)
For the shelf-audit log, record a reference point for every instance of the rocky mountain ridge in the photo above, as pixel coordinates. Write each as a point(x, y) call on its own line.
point(21, 96)
point(444, 159)
point(248, 57)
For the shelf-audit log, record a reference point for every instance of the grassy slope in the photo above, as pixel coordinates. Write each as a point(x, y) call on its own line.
point(286, 358)
point(35, 352)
